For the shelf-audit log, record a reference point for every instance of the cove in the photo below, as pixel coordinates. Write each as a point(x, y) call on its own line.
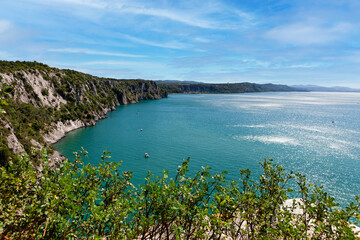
point(316, 134)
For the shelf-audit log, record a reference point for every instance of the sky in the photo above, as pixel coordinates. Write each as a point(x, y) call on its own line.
point(263, 41)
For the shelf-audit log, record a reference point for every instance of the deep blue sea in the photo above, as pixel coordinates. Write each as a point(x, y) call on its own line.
point(316, 134)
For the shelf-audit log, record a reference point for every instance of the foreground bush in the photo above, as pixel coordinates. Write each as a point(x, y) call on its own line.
point(85, 201)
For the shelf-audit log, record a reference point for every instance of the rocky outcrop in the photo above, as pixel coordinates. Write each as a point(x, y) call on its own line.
point(11, 139)
point(14, 144)
point(296, 207)
point(60, 129)
point(31, 87)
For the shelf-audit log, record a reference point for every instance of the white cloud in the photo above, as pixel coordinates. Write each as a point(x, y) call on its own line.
point(92, 52)
point(11, 35)
point(171, 44)
point(141, 64)
point(137, 8)
point(174, 15)
point(256, 63)
point(199, 15)
point(309, 33)
point(244, 15)
point(4, 26)
point(85, 3)
point(304, 65)
point(201, 40)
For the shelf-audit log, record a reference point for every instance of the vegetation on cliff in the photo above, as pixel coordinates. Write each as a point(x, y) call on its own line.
point(93, 202)
point(177, 87)
point(41, 96)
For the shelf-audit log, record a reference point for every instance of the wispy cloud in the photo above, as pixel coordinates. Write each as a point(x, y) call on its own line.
point(304, 65)
point(138, 64)
point(174, 15)
point(306, 33)
point(4, 26)
point(171, 44)
point(92, 52)
point(201, 40)
point(86, 3)
point(244, 15)
point(11, 35)
point(200, 16)
point(213, 40)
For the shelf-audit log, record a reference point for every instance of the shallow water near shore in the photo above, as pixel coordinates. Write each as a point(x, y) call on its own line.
point(316, 134)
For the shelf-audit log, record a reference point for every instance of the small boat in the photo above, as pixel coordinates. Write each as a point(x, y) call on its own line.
point(146, 155)
point(140, 129)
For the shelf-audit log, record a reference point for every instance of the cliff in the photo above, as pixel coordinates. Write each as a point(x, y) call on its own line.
point(45, 103)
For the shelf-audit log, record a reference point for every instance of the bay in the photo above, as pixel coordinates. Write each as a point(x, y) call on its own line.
point(316, 134)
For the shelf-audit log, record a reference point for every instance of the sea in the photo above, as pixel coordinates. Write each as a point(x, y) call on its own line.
point(314, 133)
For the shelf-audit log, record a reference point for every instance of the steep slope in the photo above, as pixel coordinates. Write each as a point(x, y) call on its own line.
point(45, 103)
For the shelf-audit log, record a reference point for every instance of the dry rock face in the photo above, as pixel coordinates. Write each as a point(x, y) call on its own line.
point(64, 99)
point(38, 83)
point(60, 129)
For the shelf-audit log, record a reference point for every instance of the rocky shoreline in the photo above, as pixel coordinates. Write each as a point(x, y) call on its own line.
point(60, 131)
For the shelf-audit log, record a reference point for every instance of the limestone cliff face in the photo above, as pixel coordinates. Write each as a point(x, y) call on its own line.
point(28, 87)
point(46, 103)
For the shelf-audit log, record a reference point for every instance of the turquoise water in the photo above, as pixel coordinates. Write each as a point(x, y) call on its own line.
point(317, 134)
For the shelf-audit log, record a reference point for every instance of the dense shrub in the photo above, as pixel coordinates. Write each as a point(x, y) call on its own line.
point(45, 92)
point(8, 66)
point(84, 201)
point(4, 154)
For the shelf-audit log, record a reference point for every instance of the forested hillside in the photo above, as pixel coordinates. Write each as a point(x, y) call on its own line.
point(177, 87)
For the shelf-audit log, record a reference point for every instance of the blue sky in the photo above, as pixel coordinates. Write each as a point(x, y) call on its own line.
point(286, 42)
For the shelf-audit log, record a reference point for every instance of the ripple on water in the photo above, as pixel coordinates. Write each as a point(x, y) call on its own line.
point(228, 132)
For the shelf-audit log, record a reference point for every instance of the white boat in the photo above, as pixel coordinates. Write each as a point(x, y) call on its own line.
point(146, 155)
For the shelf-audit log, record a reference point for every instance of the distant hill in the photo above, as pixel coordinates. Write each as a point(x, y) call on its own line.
point(325, 89)
point(182, 87)
point(176, 82)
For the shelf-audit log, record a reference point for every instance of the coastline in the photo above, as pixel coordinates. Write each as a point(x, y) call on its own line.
point(60, 129)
